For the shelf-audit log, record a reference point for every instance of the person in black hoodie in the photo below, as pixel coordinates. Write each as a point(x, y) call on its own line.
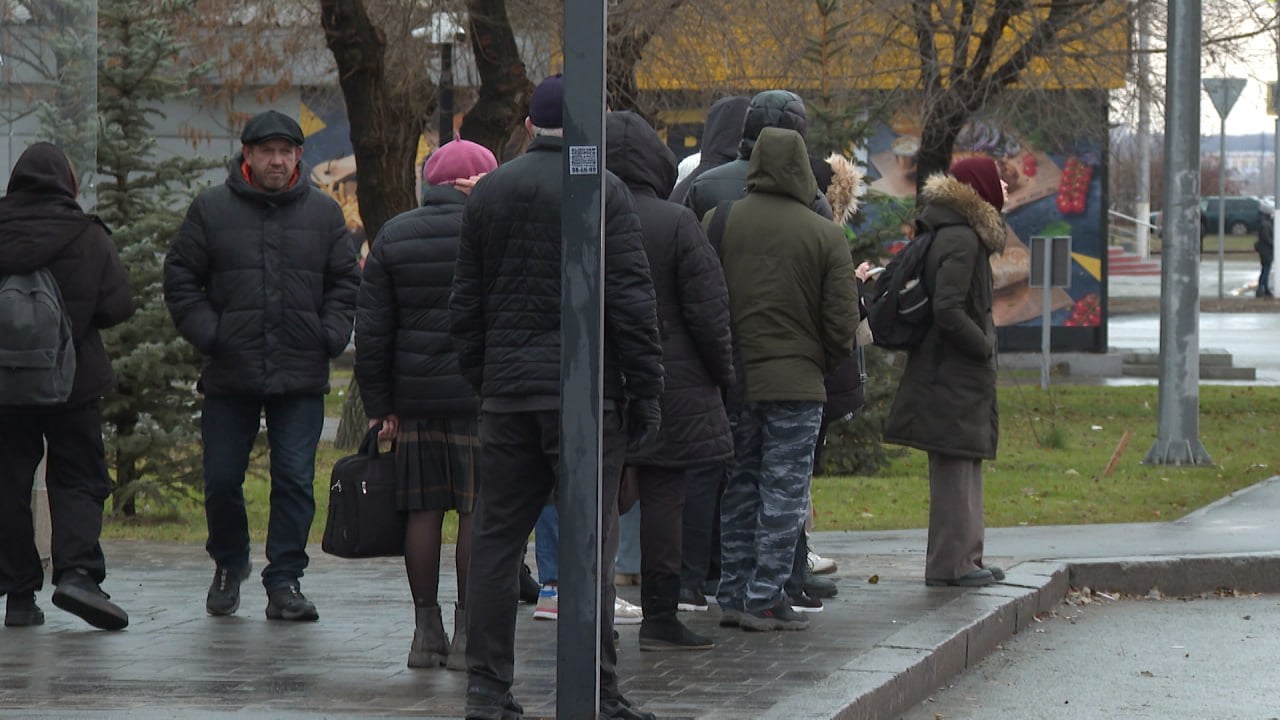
point(262, 280)
point(721, 134)
point(42, 226)
point(407, 371)
point(697, 357)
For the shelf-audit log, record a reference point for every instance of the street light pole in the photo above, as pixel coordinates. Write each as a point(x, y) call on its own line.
point(1178, 430)
point(446, 91)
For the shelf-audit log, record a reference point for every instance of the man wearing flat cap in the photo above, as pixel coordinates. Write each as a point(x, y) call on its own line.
point(262, 280)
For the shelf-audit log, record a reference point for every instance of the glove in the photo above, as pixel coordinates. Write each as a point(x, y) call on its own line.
point(644, 417)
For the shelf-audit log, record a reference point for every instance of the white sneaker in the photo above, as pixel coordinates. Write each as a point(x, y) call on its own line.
point(819, 565)
point(624, 613)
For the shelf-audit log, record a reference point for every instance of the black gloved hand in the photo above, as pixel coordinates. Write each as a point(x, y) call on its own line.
point(644, 417)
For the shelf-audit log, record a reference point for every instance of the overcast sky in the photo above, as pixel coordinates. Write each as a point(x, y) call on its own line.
point(1249, 115)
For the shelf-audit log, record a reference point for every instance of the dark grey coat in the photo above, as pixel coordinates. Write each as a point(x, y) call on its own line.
point(946, 402)
point(693, 302)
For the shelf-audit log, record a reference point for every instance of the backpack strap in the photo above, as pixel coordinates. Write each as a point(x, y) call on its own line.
point(716, 232)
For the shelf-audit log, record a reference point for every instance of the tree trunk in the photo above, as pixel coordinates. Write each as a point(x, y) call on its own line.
point(353, 423)
point(503, 98)
point(385, 123)
point(385, 127)
point(942, 124)
point(625, 49)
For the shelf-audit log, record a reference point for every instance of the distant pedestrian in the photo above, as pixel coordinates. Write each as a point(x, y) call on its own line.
point(728, 181)
point(42, 226)
point(721, 134)
point(506, 322)
point(794, 306)
point(693, 313)
point(407, 370)
point(946, 400)
point(262, 280)
point(1266, 250)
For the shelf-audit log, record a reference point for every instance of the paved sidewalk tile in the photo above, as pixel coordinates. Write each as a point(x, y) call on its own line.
point(176, 661)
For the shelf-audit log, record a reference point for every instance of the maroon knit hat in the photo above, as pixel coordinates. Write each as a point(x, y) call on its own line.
point(981, 174)
point(457, 159)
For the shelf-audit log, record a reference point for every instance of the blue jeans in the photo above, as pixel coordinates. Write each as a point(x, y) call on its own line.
point(546, 544)
point(628, 560)
point(229, 426)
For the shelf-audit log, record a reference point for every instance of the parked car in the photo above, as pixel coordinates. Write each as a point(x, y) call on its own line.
point(1240, 211)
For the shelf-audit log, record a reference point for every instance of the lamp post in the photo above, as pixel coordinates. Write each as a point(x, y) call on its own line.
point(444, 31)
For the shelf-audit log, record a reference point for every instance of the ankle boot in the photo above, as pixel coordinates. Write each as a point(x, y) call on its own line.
point(458, 648)
point(21, 610)
point(430, 647)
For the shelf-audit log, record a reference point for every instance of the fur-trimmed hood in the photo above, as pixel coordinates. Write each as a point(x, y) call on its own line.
point(845, 188)
point(954, 195)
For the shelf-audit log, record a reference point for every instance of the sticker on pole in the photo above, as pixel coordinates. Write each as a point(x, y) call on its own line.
point(584, 160)
point(1223, 92)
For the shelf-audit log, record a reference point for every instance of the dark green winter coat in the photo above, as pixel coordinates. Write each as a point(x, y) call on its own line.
point(946, 401)
point(792, 292)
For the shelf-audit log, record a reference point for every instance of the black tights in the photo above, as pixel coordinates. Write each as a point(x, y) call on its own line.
point(422, 555)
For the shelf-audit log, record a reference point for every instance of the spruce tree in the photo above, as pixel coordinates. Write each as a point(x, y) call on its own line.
point(151, 417)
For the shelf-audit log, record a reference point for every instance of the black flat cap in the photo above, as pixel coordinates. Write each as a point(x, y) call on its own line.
point(271, 124)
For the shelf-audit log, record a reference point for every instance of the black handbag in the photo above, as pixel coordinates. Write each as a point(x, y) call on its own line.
point(363, 520)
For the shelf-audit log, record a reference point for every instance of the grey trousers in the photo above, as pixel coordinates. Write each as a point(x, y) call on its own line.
point(956, 526)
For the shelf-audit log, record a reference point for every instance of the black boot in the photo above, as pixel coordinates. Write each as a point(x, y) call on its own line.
point(21, 610)
point(620, 708)
point(669, 634)
point(529, 587)
point(485, 704)
point(458, 648)
point(430, 647)
point(80, 595)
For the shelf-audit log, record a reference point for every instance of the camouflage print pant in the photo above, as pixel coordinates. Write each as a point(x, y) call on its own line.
point(764, 502)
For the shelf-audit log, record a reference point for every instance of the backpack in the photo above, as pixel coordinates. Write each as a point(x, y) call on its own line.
point(899, 311)
point(37, 352)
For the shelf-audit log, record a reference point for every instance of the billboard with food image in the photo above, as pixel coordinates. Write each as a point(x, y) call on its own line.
point(1055, 188)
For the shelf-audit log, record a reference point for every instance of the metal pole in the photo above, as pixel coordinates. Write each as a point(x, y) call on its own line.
point(1045, 310)
point(1177, 436)
point(1222, 200)
point(1142, 233)
point(1275, 190)
point(446, 92)
point(581, 362)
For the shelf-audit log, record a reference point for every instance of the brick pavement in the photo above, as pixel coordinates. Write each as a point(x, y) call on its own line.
point(175, 661)
point(877, 650)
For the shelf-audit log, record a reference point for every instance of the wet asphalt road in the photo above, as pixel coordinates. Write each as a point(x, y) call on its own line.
point(1133, 659)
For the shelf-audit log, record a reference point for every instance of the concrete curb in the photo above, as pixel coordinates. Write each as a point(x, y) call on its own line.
point(910, 665)
point(1178, 576)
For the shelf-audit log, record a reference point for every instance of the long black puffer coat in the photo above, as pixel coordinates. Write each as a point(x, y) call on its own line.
point(946, 401)
point(263, 284)
point(405, 360)
point(693, 302)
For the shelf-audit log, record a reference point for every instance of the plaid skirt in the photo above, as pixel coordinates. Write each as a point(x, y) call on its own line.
point(436, 464)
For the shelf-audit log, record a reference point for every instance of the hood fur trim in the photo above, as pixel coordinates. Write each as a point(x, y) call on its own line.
point(845, 189)
point(981, 215)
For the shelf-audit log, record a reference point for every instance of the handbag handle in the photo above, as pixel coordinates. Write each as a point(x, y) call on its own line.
point(369, 446)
